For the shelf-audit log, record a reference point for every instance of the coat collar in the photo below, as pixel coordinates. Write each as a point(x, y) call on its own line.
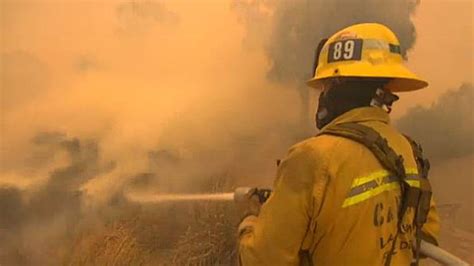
point(361, 114)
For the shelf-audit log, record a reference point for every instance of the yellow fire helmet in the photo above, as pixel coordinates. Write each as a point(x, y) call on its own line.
point(367, 50)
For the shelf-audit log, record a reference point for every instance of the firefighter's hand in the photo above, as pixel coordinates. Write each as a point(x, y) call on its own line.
point(249, 205)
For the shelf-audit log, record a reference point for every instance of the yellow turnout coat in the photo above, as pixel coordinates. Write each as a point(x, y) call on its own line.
point(334, 202)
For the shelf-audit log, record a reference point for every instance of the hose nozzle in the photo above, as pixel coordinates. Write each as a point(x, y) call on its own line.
point(242, 194)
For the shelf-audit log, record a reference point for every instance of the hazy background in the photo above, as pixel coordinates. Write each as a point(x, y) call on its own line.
point(98, 95)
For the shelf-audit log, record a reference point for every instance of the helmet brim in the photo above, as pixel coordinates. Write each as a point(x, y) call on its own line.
point(401, 79)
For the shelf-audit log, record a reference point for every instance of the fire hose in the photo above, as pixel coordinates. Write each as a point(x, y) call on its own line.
point(427, 249)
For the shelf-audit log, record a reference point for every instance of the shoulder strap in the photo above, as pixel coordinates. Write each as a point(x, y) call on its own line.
point(373, 141)
point(424, 196)
point(422, 163)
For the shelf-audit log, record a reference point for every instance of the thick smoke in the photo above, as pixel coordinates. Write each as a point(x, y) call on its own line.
point(446, 129)
point(57, 216)
point(39, 220)
point(135, 102)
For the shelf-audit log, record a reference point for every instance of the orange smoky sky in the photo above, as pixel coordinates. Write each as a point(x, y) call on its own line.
point(197, 39)
point(171, 74)
point(126, 72)
point(443, 52)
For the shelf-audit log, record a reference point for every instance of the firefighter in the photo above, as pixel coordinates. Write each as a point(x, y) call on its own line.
point(357, 193)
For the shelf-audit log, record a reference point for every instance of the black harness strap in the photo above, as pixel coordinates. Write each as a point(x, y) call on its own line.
point(424, 195)
point(374, 142)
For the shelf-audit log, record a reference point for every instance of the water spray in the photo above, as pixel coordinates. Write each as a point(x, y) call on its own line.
point(240, 194)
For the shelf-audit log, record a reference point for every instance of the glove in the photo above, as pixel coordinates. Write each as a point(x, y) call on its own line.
point(249, 204)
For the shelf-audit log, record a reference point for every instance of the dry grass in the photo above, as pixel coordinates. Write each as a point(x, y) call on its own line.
point(116, 245)
point(210, 238)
